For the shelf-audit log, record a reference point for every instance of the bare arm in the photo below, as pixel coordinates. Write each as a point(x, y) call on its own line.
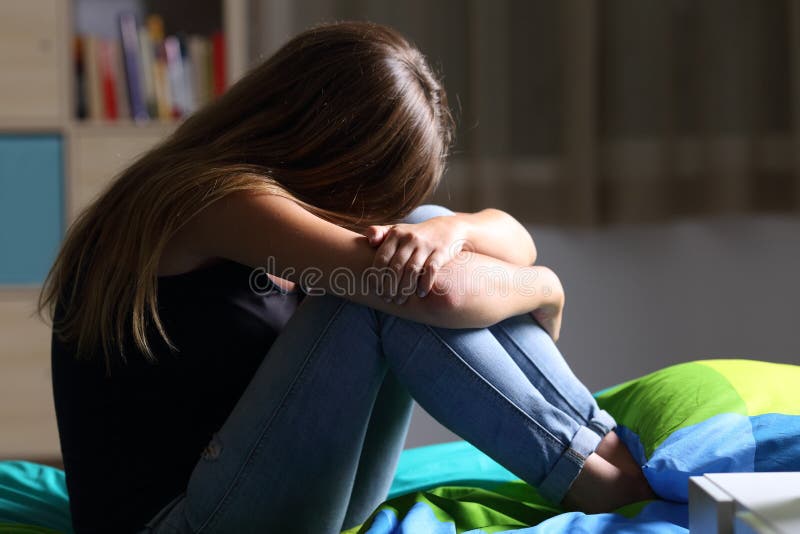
point(416, 252)
point(497, 234)
point(476, 292)
point(489, 232)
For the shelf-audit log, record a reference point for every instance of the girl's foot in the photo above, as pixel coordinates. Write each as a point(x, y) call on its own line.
point(614, 451)
point(603, 487)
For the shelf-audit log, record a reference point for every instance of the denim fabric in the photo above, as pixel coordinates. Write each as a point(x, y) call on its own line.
point(313, 442)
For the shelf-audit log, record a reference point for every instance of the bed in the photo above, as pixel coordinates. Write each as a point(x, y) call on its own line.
point(685, 420)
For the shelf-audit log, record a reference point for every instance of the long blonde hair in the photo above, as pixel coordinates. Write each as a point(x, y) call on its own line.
point(347, 119)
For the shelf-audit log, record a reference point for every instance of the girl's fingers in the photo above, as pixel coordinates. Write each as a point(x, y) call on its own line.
point(432, 267)
point(376, 234)
point(397, 266)
point(383, 275)
point(411, 274)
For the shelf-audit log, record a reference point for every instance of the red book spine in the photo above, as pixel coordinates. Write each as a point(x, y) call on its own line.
point(219, 63)
point(108, 81)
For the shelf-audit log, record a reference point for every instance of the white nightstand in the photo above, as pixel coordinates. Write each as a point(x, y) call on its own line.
point(745, 503)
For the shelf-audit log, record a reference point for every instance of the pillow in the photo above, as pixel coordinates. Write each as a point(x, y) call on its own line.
point(709, 416)
point(685, 420)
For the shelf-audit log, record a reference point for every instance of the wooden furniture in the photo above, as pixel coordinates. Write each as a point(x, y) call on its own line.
point(51, 166)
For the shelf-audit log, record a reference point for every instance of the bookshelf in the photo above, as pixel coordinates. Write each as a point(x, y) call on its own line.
point(52, 164)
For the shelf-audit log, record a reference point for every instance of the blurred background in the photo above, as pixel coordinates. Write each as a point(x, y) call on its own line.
point(651, 146)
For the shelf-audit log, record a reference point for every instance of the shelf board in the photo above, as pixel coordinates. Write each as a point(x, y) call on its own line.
point(21, 288)
point(10, 292)
point(11, 125)
point(122, 127)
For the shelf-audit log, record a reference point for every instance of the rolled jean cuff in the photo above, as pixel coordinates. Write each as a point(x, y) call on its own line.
point(560, 479)
point(602, 423)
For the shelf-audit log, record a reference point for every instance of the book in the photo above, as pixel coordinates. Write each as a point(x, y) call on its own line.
point(81, 110)
point(107, 80)
point(188, 75)
point(201, 69)
point(94, 99)
point(121, 82)
point(146, 52)
point(155, 26)
point(172, 50)
point(133, 69)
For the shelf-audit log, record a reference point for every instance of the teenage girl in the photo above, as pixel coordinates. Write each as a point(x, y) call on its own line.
point(242, 319)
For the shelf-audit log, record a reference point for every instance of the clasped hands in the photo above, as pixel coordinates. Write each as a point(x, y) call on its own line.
point(409, 257)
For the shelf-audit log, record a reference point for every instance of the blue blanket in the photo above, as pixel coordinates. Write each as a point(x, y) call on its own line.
point(689, 419)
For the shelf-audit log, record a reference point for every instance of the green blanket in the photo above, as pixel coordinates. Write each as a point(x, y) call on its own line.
point(689, 419)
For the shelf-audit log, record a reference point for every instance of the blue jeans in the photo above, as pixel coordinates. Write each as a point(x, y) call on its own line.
point(313, 443)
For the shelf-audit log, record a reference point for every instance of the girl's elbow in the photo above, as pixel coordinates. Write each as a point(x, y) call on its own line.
point(533, 255)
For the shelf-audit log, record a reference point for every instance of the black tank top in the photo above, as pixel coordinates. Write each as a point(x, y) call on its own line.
point(131, 439)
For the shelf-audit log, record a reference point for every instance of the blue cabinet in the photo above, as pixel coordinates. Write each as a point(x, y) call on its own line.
point(31, 206)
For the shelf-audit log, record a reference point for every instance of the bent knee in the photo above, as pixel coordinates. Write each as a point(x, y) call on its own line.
point(425, 212)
